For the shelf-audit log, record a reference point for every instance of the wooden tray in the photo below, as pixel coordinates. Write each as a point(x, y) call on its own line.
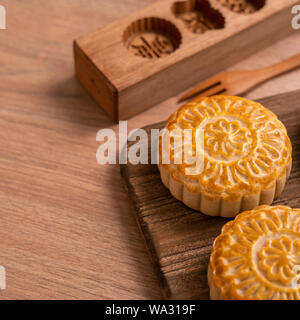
point(179, 239)
point(142, 59)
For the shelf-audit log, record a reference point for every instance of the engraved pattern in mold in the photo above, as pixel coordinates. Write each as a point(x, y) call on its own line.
point(198, 16)
point(152, 38)
point(196, 22)
point(243, 6)
point(151, 45)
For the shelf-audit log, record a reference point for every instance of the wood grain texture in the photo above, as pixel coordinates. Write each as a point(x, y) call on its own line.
point(124, 84)
point(178, 238)
point(63, 235)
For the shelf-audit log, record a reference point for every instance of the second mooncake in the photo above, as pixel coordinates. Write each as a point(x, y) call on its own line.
point(246, 156)
point(257, 256)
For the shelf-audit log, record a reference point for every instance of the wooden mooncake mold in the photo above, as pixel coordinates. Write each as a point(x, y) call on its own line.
point(168, 46)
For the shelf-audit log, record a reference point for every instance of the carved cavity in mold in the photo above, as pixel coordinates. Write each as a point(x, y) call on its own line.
point(152, 38)
point(243, 6)
point(198, 15)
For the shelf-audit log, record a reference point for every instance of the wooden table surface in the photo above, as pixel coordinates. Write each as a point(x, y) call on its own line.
point(67, 229)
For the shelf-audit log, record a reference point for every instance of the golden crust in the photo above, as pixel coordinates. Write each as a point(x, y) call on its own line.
point(246, 149)
point(257, 256)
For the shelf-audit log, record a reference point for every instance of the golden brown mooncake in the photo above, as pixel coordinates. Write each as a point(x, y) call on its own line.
point(246, 156)
point(257, 256)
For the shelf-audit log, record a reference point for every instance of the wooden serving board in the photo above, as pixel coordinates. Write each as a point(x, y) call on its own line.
point(171, 40)
point(179, 239)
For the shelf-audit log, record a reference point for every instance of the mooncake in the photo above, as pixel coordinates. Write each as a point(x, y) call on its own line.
point(257, 256)
point(246, 156)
